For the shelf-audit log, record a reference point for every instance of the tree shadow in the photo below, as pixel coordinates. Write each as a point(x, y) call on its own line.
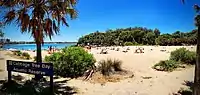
point(189, 84)
point(188, 91)
point(33, 87)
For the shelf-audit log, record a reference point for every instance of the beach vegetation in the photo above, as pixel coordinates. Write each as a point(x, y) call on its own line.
point(23, 55)
point(71, 62)
point(178, 58)
point(109, 66)
point(183, 55)
point(26, 55)
point(18, 53)
point(166, 65)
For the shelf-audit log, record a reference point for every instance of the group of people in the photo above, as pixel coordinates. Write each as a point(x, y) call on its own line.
point(51, 49)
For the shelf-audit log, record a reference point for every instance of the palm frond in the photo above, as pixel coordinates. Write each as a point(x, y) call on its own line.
point(55, 28)
point(73, 2)
point(73, 13)
point(25, 22)
point(197, 8)
point(64, 21)
point(10, 16)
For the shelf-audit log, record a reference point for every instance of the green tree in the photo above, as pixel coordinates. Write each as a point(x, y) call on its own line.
point(140, 35)
point(41, 18)
point(150, 38)
point(126, 36)
point(176, 34)
point(157, 32)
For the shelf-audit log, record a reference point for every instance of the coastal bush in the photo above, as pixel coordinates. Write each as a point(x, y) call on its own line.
point(128, 44)
point(26, 55)
point(117, 65)
point(106, 67)
point(18, 53)
point(71, 62)
point(183, 55)
point(167, 65)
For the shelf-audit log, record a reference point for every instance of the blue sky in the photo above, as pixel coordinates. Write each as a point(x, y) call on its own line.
point(166, 15)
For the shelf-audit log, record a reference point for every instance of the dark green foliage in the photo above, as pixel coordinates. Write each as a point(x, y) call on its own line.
point(106, 67)
point(177, 58)
point(71, 61)
point(167, 65)
point(18, 53)
point(183, 55)
point(26, 55)
point(22, 54)
point(128, 44)
point(139, 35)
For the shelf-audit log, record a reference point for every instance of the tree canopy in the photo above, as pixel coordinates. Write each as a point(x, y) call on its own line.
point(139, 35)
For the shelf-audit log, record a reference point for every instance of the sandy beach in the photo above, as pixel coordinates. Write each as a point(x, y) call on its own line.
point(160, 83)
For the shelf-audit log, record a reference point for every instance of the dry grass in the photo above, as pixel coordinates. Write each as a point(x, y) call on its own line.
point(102, 79)
point(109, 66)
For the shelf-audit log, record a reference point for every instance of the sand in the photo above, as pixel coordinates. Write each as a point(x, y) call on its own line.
point(161, 83)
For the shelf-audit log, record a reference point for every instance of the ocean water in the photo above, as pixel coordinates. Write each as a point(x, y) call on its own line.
point(33, 46)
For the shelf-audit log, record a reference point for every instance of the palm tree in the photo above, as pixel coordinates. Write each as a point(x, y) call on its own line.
point(41, 18)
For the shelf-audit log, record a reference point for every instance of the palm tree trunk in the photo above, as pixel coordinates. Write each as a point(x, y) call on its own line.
point(196, 90)
point(39, 54)
point(39, 57)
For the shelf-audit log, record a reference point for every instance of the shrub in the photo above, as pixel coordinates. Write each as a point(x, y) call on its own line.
point(109, 66)
point(18, 53)
point(71, 61)
point(183, 55)
point(117, 65)
point(167, 65)
point(26, 55)
point(128, 44)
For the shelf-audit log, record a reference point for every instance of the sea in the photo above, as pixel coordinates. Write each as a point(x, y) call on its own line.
point(33, 46)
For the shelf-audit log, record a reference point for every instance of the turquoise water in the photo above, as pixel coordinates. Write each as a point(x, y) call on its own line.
point(33, 46)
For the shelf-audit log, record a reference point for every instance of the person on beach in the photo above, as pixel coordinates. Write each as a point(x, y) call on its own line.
point(50, 50)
